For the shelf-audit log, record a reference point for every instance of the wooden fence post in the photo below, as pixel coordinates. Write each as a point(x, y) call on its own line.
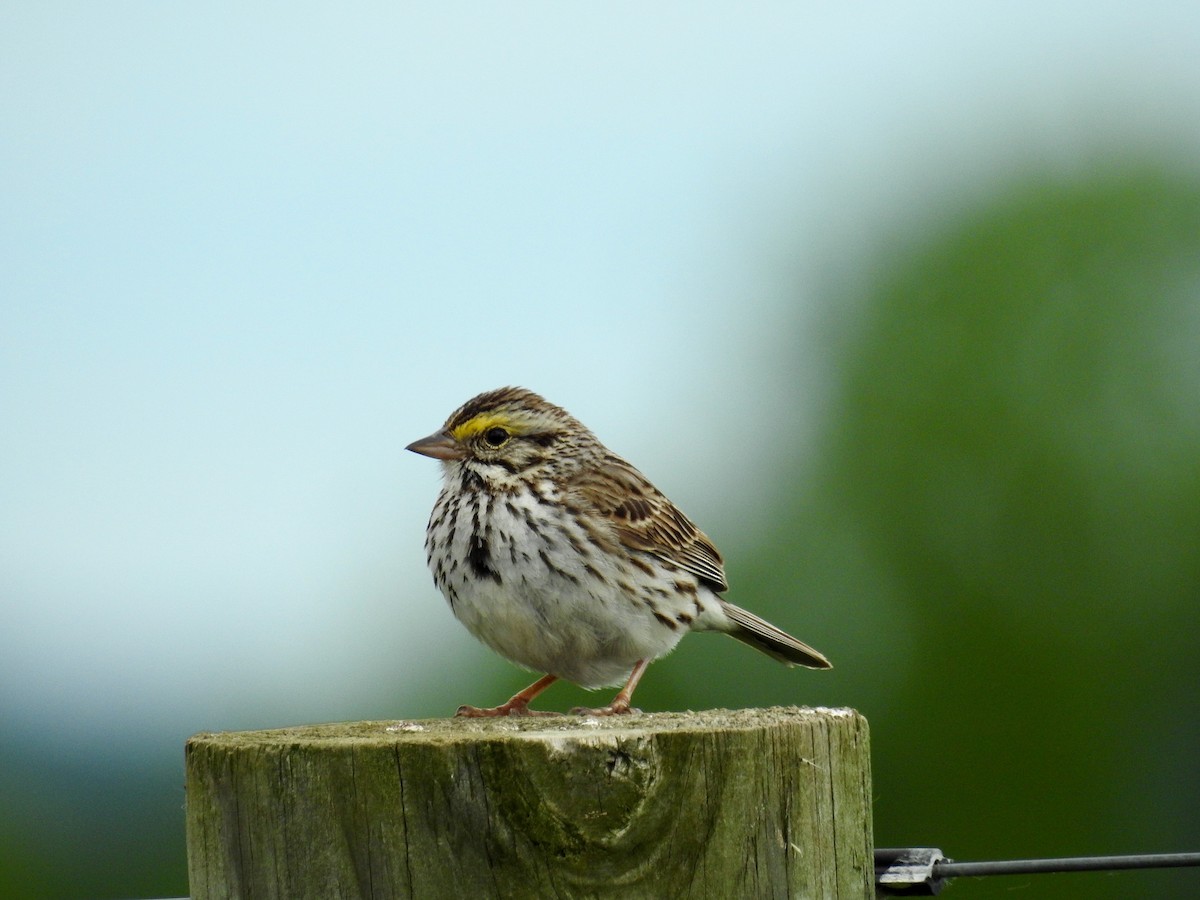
point(738, 804)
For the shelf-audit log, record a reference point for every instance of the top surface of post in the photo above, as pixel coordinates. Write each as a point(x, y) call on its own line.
point(532, 727)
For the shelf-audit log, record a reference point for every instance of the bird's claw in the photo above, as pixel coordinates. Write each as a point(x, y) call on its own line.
point(504, 709)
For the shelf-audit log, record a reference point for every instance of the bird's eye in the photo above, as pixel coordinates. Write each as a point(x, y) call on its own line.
point(495, 436)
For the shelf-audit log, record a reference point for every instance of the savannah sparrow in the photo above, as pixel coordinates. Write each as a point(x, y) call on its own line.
point(565, 559)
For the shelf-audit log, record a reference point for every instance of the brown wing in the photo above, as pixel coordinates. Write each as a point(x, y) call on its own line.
point(644, 519)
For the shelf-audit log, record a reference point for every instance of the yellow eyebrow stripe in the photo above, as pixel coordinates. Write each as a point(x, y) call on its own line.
point(480, 424)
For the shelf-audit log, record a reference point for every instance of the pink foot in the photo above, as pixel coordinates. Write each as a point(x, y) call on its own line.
point(510, 708)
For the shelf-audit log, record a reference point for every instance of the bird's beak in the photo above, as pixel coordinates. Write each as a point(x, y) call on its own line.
point(439, 445)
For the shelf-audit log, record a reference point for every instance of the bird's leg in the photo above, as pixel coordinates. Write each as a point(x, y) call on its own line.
point(620, 704)
point(517, 706)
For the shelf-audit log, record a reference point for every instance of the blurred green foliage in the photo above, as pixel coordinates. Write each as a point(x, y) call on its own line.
point(80, 822)
point(1019, 449)
point(996, 538)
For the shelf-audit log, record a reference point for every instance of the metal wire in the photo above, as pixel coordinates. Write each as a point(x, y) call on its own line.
point(1067, 864)
point(924, 871)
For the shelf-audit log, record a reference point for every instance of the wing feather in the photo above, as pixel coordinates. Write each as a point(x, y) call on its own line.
point(644, 519)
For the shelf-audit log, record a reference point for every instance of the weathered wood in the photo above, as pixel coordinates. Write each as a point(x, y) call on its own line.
point(751, 803)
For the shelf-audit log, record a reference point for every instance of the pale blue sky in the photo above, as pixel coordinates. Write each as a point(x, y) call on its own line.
point(246, 255)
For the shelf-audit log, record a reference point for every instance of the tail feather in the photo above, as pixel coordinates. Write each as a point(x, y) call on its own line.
point(765, 637)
